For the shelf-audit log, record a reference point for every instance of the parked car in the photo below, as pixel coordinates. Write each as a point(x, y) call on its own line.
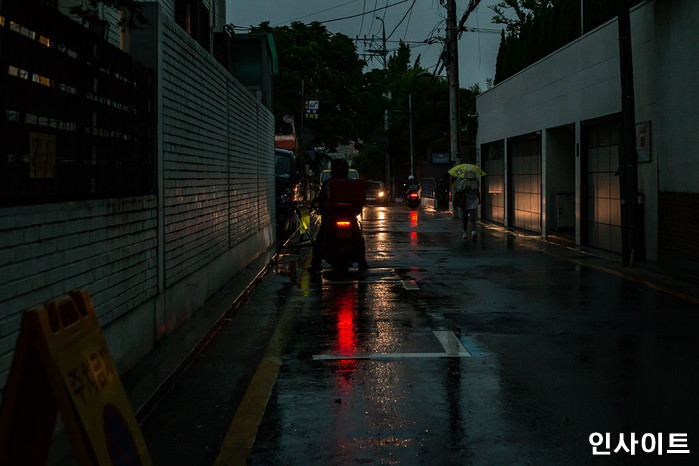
point(376, 192)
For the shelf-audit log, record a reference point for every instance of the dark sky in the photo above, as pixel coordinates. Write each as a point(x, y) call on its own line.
point(413, 21)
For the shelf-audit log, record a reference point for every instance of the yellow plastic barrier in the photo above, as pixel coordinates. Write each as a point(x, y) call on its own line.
point(62, 364)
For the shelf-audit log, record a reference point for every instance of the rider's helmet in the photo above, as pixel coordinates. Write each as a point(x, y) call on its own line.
point(411, 178)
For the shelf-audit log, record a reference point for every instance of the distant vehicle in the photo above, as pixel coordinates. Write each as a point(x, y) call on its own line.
point(325, 174)
point(376, 192)
point(413, 191)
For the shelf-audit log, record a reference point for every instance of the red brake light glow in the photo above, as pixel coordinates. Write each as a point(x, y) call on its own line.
point(343, 223)
point(413, 194)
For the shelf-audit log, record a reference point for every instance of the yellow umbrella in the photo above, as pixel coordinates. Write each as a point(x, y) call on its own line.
point(461, 170)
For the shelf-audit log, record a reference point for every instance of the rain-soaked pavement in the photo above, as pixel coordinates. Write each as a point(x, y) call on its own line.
point(503, 350)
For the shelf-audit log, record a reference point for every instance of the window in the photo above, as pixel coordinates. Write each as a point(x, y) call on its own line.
point(193, 17)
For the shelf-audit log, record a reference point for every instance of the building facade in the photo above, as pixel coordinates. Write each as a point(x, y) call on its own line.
point(150, 260)
point(549, 138)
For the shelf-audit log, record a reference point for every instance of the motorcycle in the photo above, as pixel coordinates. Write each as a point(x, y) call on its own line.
point(339, 241)
point(412, 195)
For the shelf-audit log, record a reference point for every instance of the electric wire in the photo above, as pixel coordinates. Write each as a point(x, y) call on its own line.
point(371, 26)
point(407, 25)
point(316, 12)
point(402, 19)
point(363, 13)
point(361, 26)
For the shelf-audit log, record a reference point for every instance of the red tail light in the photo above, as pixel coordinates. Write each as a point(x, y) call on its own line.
point(413, 194)
point(343, 223)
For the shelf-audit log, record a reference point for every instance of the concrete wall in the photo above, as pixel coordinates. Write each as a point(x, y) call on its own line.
point(108, 246)
point(581, 81)
point(217, 149)
point(151, 262)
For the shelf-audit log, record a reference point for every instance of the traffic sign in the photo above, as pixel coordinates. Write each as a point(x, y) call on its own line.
point(311, 107)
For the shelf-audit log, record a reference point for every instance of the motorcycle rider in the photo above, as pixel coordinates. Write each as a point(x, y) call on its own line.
point(339, 168)
point(412, 185)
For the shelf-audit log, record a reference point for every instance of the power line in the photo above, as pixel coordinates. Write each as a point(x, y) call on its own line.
point(371, 26)
point(361, 26)
point(402, 19)
point(407, 25)
point(362, 14)
point(317, 12)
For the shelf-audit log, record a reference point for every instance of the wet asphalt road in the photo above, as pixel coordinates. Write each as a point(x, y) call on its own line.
point(506, 350)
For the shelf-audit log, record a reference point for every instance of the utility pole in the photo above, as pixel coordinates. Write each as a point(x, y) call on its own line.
point(628, 180)
point(453, 75)
point(383, 53)
point(410, 121)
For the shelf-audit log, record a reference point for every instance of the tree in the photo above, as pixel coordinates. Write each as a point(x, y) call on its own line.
point(327, 67)
point(87, 11)
point(536, 28)
point(523, 11)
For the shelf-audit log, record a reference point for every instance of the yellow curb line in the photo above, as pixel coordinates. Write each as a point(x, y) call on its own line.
point(240, 438)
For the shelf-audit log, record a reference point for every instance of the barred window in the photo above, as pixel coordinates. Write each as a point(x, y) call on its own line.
point(75, 112)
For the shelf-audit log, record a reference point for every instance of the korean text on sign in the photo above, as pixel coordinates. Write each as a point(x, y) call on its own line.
point(91, 375)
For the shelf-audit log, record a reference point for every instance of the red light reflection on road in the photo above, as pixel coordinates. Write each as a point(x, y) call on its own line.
point(346, 342)
point(413, 218)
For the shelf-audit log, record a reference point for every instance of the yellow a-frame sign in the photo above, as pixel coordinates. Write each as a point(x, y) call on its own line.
point(62, 364)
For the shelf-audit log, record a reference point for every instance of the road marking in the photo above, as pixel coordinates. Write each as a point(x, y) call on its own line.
point(449, 342)
point(386, 356)
point(240, 438)
point(410, 285)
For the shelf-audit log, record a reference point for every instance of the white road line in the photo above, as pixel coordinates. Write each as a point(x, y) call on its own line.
point(450, 343)
point(385, 356)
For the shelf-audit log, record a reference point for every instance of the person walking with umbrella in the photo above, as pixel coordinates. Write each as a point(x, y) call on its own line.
point(468, 196)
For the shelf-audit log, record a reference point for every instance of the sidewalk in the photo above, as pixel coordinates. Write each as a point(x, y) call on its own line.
point(152, 376)
point(678, 282)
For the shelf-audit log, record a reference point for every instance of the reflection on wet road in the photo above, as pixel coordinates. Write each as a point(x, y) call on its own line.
point(504, 350)
point(367, 378)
